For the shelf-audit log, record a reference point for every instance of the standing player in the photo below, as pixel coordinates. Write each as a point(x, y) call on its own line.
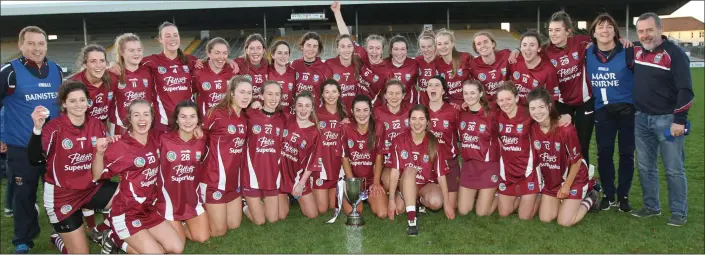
point(403, 68)
point(260, 175)
point(490, 66)
point(101, 83)
point(133, 216)
point(301, 155)
point(566, 192)
point(310, 70)
point(67, 144)
point(180, 156)
point(417, 159)
point(331, 117)
point(281, 72)
point(346, 70)
point(520, 182)
point(444, 125)
point(254, 66)
point(394, 116)
point(452, 65)
point(480, 152)
point(532, 70)
point(361, 145)
point(210, 82)
point(426, 62)
point(135, 81)
point(226, 125)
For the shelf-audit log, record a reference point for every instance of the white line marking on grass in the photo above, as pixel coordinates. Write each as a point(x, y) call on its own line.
point(353, 240)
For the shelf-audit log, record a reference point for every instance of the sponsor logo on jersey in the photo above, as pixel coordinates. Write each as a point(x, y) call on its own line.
point(558, 146)
point(139, 162)
point(531, 185)
point(66, 209)
point(145, 82)
point(217, 195)
point(232, 129)
point(482, 128)
point(198, 155)
point(494, 178)
point(482, 76)
point(425, 158)
point(537, 145)
point(520, 127)
point(67, 144)
point(206, 85)
point(185, 69)
point(256, 129)
point(319, 182)
point(322, 124)
point(502, 187)
point(504, 71)
point(171, 156)
point(94, 141)
point(350, 143)
point(516, 75)
point(462, 125)
point(136, 223)
point(404, 154)
point(161, 70)
point(575, 55)
point(336, 77)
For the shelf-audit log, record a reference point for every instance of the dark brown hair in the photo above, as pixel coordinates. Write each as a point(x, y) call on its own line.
point(542, 94)
point(181, 105)
point(432, 140)
point(371, 127)
point(483, 99)
point(250, 39)
point(83, 58)
point(309, 95)
point(356, 61)
point(531, 33)
point(562, 16)
point(601, 19)
point(392, 82)
point(444, 85)
point(273, 49)
point(508, 86)
point(396, 39)
point(339, 103)
point(179, 53)
point(227, 101)
point(66, 88)
point(312, 35)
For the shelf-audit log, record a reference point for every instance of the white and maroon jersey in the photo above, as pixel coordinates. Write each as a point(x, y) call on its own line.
point(455, 81)
point(100, 99)
point(373, 77)
point(137, 166)
point(137, 85)
point(286, 81)
point(69, 151)
point(407, 154)
point(360, 153)
point(264, 144)
point(444, 125)
point(555, 152)
point(256, 74)
point(301, 151)
point(310, 77)
point(426, 71)
point(478, 134)
point(407, 73)
point(331, 135)
point(491, 76)
point(394, 124)
point(516, 159)
point(570, 65)
point(210, 86)
point(525, 79)
point(345, 76)
point(172, 82)
point(179, 176)
point(227, 134)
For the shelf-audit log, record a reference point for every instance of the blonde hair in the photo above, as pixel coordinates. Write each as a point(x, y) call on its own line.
point(454, 52)
point(83, 58)
point(120, 42)
point(485, 33)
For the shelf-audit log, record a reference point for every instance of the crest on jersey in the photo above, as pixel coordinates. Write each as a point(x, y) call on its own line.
point(66, 209)
point(482, 128)
point(161, 70)
point(303, 144)
point(462, 125)
point(136, 223)
point(386, 126)
point(404, 154)
point(387, 143)
point(94, 141)
point(375, 78)
point(315, 77)
point(322, 124)
point(531, 185)
point(122, 85)
point(336, 77)
point(535, 83)
point(248, 77)
point(446, 123)
point(573, 192)
point(198, 155)
point(556, 91)
point(145, 82)
point(350, 143)
point(319, 182)
point(90, 102)
point(217, 195)
point(516, 75)
point(110, 95)
point(291, 86)
point(406, 122)
point(500, 127)
point(185, 69)
point(520, 127)
point(407, 76)
point(425, 158)
point(460, 72)
point(67, 144)
point(171, 156)
point(286, 132)
point(482, 76)
point(494, 178)
point(575, 55)
point(256, 129)
point(575, 152)
point(206, 85)
point(232, 129)
point(278, 131)
point(554, 62)
point(504, 71)
point(558, 146)
point(502, 187)
point(537, 145)
point(658, 57)
point(297, 75)
point(139, 162)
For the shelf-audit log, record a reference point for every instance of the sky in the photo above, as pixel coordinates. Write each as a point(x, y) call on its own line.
point(692, 8)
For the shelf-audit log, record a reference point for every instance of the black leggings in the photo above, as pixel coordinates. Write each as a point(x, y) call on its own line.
point(98, 202)
point(583, 117)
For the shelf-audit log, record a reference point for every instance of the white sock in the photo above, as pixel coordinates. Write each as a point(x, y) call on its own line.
point(411, 208)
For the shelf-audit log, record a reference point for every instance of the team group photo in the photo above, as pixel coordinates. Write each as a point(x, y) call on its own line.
point(352, 127)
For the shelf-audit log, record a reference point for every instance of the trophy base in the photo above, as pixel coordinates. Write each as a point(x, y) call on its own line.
point(355, 221)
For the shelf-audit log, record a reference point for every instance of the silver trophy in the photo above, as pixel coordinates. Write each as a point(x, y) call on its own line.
point(353, 193)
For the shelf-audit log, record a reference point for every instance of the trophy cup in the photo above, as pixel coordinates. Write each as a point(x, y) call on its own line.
point(352, 195)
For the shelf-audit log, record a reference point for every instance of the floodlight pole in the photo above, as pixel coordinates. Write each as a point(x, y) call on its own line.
point(448, 18)
point(265, 27)
point(538, 19)
point(85, 33)
point(627, 23)
point(357, 36)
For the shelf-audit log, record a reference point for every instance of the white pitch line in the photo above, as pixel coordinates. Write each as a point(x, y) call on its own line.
point(353, 240)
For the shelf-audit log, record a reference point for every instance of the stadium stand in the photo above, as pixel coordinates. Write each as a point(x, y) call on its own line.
point(8, 50)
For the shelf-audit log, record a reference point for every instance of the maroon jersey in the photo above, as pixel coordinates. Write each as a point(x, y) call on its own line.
point(137, 85)
point(210, 86)
point(525, 79)
point(172, 80)
point(479, 136)
point(301, 151)
point(407, 73)
point(491, 76)
point(357, 149)
point(345, 75)
point(555, 152)
point(426, 71)
point(179, 176)
point(404, 153)
point(264, 144)
point(286, 81)
point(256, 74)
point(455, 81)
point(137, 166)
point(100, 100)
point(444, 125)
point(310, 77)
point(570, 65)
point(515, 155)
point(394, 124)
point(373, 77)
point(331, 135)
point(226, 142)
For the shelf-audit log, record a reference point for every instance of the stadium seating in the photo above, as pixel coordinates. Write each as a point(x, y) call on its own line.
point(8, 51)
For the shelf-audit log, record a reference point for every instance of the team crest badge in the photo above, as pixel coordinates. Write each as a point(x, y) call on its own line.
point(462, 125)
point(278, 131)
point(554, 62)
point(504, 71)
point(406, 122)
point(161, 70)
point(502, 187)
point(482, 76)
point(217, 195)
point(231, 129)
point(404, 154)
point(531, 186)
point(198, 155)
point(573, 192)
point(303, 144)
point(350, 143)
point(375, 78)
point(575, 55)
point(537, 145)
point(387, 143)
point(94, 141)
point(494, 178)
point(145, 82)
point(575, 151)
point(206, 85)
point(291, 86)
point(110, 95)
point(285, 133)
point(535, 83)
point(558, 146)
point(315, 77)
point(556, 91)
point(185, 69)
point(90, 102)
point(256, 129)
point(407, 76)
point(520, 127)
point(319, 182)
point(297, 76)
point(482, 128)
point(139, 162)
point(516, 75)
point(322, 124)
point(121, 85)
point(66, 209)
point(67, 144)
point(247, 76)
point(336, 77)
point(136, 223)
point(171, 156)
point(445, 124)
point(460, 72)
point(658, 58)
point(500, 127)
point(425, 158)
point(386, 126)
